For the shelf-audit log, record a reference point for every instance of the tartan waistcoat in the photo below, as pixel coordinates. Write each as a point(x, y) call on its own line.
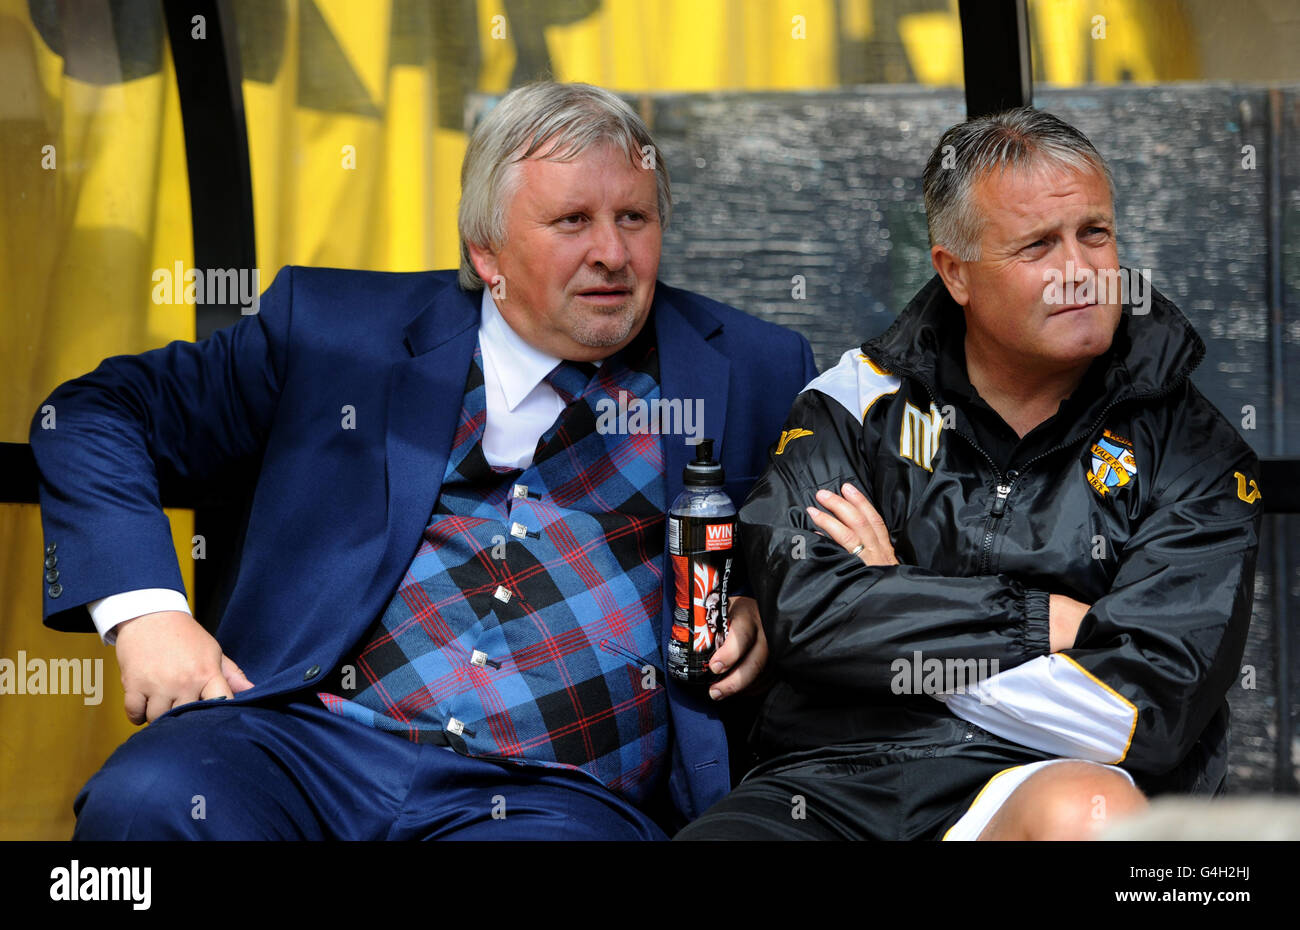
point(526, 627)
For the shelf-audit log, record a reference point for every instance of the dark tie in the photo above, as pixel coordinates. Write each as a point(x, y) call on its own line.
point(570, 379)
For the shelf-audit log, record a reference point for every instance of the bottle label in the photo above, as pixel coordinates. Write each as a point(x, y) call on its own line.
point(717, 536)
point(701, 552)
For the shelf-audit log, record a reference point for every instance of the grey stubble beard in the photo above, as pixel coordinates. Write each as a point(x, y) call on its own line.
point(595, 335)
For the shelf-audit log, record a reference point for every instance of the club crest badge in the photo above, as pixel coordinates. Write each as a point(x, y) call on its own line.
point(1113, 464)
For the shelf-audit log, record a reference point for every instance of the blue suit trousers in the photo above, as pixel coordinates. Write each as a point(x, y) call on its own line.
point(291, 770)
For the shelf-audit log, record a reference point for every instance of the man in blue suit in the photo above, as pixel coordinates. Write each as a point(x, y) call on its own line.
point(451, 608)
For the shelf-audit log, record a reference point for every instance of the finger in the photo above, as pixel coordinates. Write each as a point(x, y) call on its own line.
point(234, 675)
point(740, 637)
point(157, 707)
point(833, 528)
point(136, 704)
point(859, 542)
point(857, 513)
point(216, 687)
point(859, 530)
point(843, 511)
point(869, 527)
point(744, 674)
point(188, 696)
point(870, 516)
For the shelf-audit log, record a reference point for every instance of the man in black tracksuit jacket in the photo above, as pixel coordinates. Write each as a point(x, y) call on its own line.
point(1029, 579)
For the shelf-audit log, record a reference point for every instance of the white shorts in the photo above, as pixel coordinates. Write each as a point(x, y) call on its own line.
point(996, 791)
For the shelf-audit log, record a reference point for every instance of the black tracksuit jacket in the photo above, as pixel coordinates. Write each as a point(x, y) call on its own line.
point(1146, 508)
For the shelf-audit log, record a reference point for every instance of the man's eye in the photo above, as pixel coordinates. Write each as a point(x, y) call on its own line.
point(1096, 231)
point(571, 219)
point(1036, 244)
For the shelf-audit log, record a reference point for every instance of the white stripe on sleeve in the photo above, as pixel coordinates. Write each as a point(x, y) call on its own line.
point(1052, 704)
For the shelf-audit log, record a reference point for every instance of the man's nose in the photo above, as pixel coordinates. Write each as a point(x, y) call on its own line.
point(607, 246)
point(1079, 258)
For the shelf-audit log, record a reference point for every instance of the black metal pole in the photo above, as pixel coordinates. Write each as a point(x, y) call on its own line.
point(216, 144)
point(1284, 772)
point(995, 55)
point(205, 53)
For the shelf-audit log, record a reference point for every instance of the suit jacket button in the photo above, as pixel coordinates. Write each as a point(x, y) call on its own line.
point(51, 561)
point(311, 673)
point(55, 589)
point(52, 575)
point(49, 550)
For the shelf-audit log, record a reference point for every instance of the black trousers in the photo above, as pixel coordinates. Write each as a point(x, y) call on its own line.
point(880, 792)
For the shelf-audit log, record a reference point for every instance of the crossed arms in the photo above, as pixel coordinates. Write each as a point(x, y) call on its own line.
point(1132, 679)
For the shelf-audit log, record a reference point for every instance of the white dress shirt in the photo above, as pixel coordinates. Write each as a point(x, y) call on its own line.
point(521, 406)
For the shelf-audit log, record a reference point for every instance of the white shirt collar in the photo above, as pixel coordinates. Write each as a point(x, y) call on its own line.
point(519, 367)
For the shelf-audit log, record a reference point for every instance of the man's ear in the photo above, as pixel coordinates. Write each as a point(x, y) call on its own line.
point(953, 271)
point(484, 262)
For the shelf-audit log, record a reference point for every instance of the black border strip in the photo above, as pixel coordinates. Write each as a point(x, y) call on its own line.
point(995, 55)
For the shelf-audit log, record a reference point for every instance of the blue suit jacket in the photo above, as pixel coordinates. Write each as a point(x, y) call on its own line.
point(337, 512)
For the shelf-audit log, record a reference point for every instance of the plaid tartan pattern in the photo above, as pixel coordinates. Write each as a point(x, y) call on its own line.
point(522, 627)
point(570, 379)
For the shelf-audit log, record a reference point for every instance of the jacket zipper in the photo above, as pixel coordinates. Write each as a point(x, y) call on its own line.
point(995, 517)
point(1004, 484)
point(1004, 488)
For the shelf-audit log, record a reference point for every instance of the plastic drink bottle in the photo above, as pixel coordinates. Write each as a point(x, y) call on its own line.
point(701, 539)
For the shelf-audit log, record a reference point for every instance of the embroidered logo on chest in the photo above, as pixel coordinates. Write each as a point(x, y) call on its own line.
point(1112, 463)
point(918, 438)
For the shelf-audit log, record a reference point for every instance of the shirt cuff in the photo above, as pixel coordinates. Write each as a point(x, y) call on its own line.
point(107, 612)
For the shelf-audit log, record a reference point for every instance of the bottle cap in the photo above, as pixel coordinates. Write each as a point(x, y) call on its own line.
point(704, 472)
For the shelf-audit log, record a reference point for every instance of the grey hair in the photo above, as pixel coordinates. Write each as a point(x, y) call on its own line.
point(1020, 138)
point(563, 119)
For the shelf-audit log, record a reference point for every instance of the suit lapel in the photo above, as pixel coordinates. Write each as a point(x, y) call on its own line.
point(425, 396)
point(691, 369)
